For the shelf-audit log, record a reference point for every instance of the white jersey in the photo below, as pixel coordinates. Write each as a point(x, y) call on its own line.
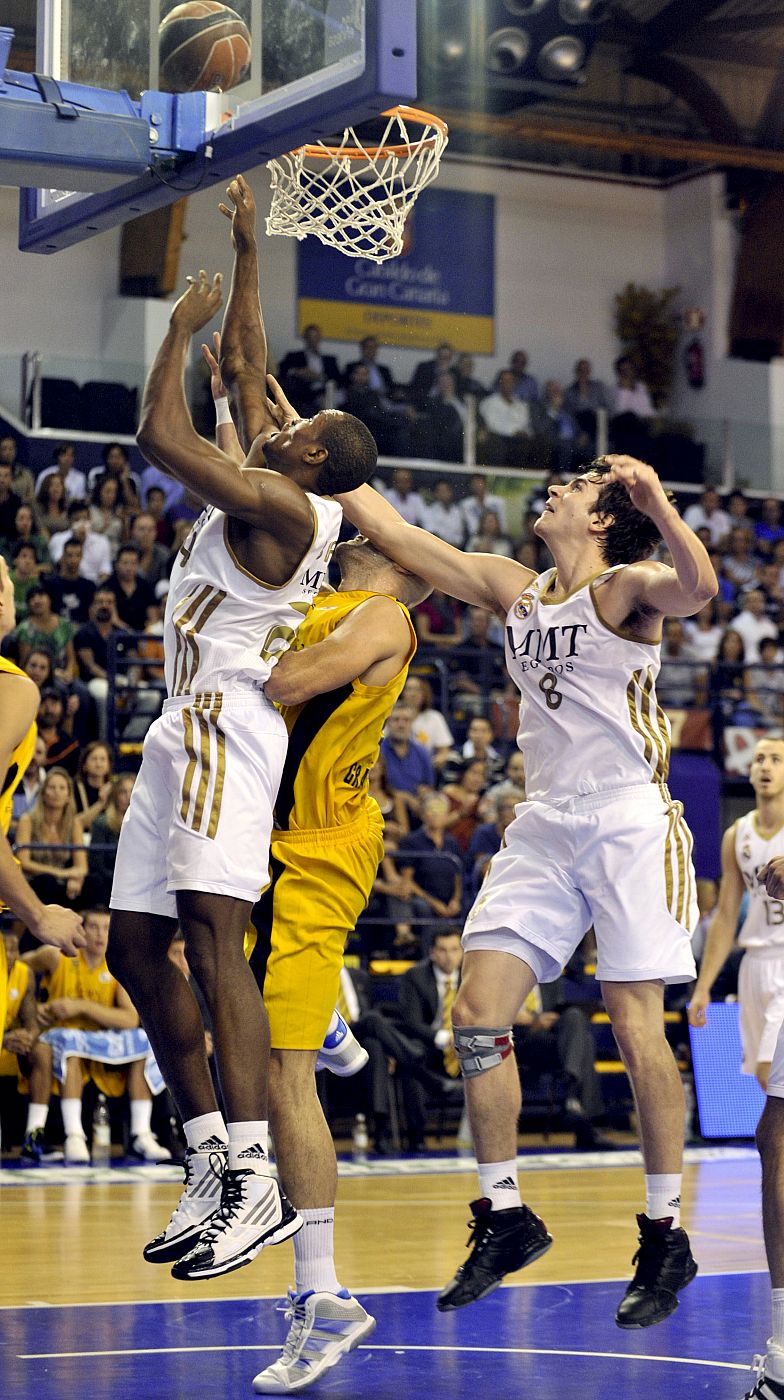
point(763, 926)
point(589, 719)
point(224, 629)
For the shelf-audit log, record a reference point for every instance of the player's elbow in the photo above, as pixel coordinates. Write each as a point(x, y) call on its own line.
point(233, 366)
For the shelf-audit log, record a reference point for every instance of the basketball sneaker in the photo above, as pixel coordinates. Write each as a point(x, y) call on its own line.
point(37, 1150)
point(204, 1168)
point(76, 1151)
point(764, 1388)
point(253, 1213)
point(664, 1266)
point(501, 1242)
point(341, 1052)
point(324, 1327)
point(147, 1146)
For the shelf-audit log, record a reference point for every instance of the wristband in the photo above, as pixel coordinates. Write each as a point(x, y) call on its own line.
point(222, 412)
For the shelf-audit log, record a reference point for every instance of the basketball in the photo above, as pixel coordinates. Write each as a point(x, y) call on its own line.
point(203, 45)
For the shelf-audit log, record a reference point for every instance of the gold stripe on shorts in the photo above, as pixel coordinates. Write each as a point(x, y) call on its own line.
point(668, 860)
point(187, 719)
point(220, 771)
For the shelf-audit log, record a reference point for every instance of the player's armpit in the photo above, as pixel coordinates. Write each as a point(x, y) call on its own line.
point(374, 633)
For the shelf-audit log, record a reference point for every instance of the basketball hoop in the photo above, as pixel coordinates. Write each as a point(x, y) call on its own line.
point(353, 197)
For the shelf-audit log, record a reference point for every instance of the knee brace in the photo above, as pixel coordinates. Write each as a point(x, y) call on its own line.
point(480, 1048)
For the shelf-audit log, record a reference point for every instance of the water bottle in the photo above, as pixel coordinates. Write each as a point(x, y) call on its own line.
point(360, 1139)
point(102, 1134)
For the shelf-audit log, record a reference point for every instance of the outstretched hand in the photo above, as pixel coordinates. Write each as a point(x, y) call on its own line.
point(199, 304)
point(281, 411)
point(242, 215)
point(212, 358)
point(641, 481)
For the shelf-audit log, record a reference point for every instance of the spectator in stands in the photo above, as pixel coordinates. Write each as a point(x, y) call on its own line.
point(91, 644)
point(443, 516)
point(155, 505)
point(25, 532)
point(93, 783)
point(554, 426)
point(769, 584)
point(478, 744)
point(562, 1043)
point(64, 466)
point(409, 765)
point(468, 386)
point(9, 503)
point(47, 630)
point(96, 555)
point(173, 491)
point(512, 784)
point(769, 529)
point(526, 387)
point(71, 593)
point(427, 992)
point(379, 377)
point(305, 374)
point(23, 1054)
point(404, 498)
point(24, 575)
point(439, 432)
point(739, 566)
point(752, 624)
point(58, 870)
point(487, 838)
point(729, 689)
point(56, 727)
point(430, 728)
point(489, 539)
point(478, 667)
point(738, 508)
point(438, 621)
point(707, 514)
point(51, 507)
point(703, 634)
point(464, 796)
point(387, 422)
point(507, 418)
point(478, 501)
point(431, 862)
point(766, 683)
point(135, 598)
point(23, 483)
point(105, 835)
point(153, 558)
point(105, 515)
point(390, 803)
point(426, 373)
point(32, 781)
point(680, 685)
point(117, 467)
point(39, 668)
point(632, 410)
point(585, 397)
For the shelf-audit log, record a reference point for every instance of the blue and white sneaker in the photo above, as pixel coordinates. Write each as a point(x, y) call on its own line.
point(324, 1327)
point(341, 1052)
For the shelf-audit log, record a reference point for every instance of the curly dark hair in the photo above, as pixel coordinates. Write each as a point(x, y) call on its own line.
point(631, 535)
point(351, 453)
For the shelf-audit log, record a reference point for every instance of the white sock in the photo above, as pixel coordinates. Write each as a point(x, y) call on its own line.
point(36, 1116)
point(314, 1263)
point(774, 1360)
point(207, 1125)
point(141, 1117)
point(243, 1137)
point(71, 1110)
point(498, 1182)
point(663, 1197)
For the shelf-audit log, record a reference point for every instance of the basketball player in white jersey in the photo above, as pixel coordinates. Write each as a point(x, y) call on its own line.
point(194, 845)
point(599, 839)
point(747, 847)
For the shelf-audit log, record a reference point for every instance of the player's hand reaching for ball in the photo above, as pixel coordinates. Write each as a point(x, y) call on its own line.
point(280, 409)
point(212, 359)
point(199, 304)
point(642, 483)
point(242, 214)
point(772, 877)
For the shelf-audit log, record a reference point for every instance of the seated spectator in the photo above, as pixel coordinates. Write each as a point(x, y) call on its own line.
point(478, 501)
point(25, 532)
point(489, 539)
point(707, 514)
point(439, 431)
point(389, 425)
point(23, 483)
point(64, 466)
point(45, 630)
point(438, 621)
point(703, 633)
point(766, 683)
point(117, 467)
point(22, 1055)
point(526, 387)
point(730, 695)
point(97, 554)
point(486, 840)
point(9, 503)
point(585, 397)
point(71, 593)
point(153, 557)
point(512, 784)
point(555, 427)
point(379, 377)
point(738, 565)
point(82, 995)
point(39, 668)
point(105, 835)
point(477, 667)
point(93, 783)
point(56, 727)
point(464, 796)
point(155, 505)
point(632, 410)
point(134, 596)
point(91, 644)
point(51, 506)
point(390, 803)
point(478, 744)
point(24, 575)
point(427, 994)
point(443, 517)
point(468, 386)
point(32, 781)
point(680, 684)
point(305, 374)
point(426, 373)
point(57, 865)
point(752, 624)
point(430, 861)
point(769, 584)
point(409, 765)
point(561, 1042)
point(173, 491)
point(105, 514)
point(430, 728)
point(737, 506)
point(769, 529)
point(509, 438)
point(404, 498)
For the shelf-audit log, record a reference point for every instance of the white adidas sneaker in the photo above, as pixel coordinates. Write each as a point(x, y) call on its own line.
point(76, 1151)
point(341, 1052)
point(204, 1169)
point(147, 1146)
point(324, 1327)
point(765, 1388)
point(253, 1212)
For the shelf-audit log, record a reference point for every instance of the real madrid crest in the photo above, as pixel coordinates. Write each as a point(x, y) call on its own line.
point(524, 606)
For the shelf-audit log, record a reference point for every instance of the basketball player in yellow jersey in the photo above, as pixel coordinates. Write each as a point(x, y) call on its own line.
point(337, 689)
point(598, 840)
point(50, 923)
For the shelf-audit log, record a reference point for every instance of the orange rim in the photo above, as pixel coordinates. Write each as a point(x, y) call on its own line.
point(373, 153)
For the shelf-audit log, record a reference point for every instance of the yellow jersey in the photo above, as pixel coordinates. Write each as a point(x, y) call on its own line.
point(334, 738)
point(18, 982)
point(73, 977)
point(11, 779)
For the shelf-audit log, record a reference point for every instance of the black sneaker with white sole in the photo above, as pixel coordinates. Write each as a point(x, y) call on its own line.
point(253, 1213)
point(764, 1387)
point(204, 1167)
point(664, 1265)
point(501, 1242)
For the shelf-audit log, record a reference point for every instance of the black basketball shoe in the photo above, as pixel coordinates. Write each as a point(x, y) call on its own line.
point(664, 1266)
point(764, 1387)
point(501, 1241)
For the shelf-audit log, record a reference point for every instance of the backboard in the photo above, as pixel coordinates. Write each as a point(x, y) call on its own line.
point(316, 67)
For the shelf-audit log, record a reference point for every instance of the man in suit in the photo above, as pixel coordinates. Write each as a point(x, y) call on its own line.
point(305, 374)
point(426, 373)
point(427, 993)
point(379, 376)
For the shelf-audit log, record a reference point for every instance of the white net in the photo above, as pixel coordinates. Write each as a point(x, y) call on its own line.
point(353, 197)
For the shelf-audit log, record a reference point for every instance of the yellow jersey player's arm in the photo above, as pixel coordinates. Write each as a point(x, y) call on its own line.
point(371, 644)
point(721, 934)
point(487, 580)
point(123, 1016)
point(49, 922)
point(168, 439)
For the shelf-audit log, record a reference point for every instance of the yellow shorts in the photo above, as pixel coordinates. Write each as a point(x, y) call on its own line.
point(321, 882)
point(3, 984)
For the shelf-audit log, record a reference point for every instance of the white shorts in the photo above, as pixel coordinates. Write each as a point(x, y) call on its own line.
point(619, 860)
point(761, 997)
point(201, 810)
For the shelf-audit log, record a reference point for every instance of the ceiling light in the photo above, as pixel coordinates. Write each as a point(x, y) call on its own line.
point(507, 50)
point(561, 58)
point(583, 11)
point(523, 9)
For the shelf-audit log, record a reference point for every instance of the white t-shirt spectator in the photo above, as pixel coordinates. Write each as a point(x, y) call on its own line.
point(75, 482)
point(446, 522)
point(473, 510)
point(702, 645)
point(95, 473)
point(96, 553)
point(505, 418)
point(719, 523)
point(431, 730)
point(411, 507)
point(752, 629)
point(636, 400)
